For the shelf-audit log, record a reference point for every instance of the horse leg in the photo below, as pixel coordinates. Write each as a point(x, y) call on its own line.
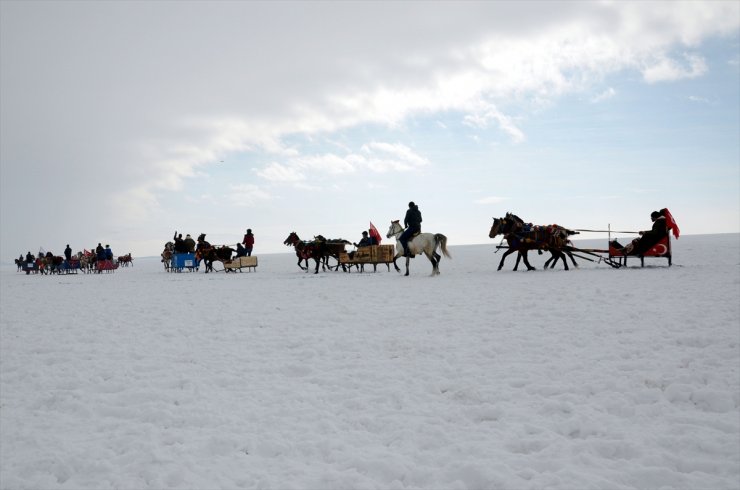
point(575, 264)
point(561, 256)
point(318, 261)
point(408, 259)
point(395, 257)
point(434, 259)
point(518, 259)
point(506, 254)
point(526, 261)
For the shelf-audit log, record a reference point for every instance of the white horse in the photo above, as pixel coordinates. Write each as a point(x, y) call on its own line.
point(425, 243)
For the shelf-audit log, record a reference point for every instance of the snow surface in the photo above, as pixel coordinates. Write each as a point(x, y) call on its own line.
point(595, 378)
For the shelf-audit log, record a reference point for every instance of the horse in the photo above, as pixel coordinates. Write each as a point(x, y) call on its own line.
point(317, 250)
point(53, 263)
point(125, 260)
point(425, 243)
point(522, 239)
point(334, 246)
point(166, 255)
point(19, 264)
point(209, 255)
point(87, 261)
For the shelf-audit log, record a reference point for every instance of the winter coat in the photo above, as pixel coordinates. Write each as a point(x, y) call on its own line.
point(248, 241)
point(413, 219)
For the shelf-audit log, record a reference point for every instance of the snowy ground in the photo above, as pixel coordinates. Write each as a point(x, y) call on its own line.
point(590, 379)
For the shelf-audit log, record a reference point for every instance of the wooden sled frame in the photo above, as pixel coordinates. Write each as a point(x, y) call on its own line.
point(373, 254)
point(660, 249)
point(240, 263)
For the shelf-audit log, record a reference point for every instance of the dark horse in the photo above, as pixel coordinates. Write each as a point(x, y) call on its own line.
point(209, 255)
point(522, 238)
point(334, 246)
point(317, 250)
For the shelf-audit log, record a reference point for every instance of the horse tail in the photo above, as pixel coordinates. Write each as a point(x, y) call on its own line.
point(441, 240)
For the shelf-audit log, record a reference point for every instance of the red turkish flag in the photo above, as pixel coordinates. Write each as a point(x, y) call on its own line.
point(671, 223)
point(374, 233)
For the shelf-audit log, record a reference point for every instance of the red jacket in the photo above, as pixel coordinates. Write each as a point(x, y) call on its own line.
point(248, 241)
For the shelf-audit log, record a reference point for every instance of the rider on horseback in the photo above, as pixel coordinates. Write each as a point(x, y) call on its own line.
point(412, 222)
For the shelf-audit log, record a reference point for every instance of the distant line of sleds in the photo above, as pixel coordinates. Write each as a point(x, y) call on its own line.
point(86, 262)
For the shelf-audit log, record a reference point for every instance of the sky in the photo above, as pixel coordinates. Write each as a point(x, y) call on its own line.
point(121, 122)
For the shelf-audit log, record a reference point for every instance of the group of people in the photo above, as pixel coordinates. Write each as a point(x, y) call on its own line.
point(101, 253)
point(188, 245)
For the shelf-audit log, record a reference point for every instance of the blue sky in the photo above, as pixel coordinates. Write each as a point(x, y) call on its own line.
point(124, 121)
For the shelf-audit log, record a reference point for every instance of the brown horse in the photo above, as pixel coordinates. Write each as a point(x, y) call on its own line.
point(317, 250)
point(125, 260)
point(209, 255)
point(522, 238)
point(334, 246)
point(166, 255)
point(53, 264)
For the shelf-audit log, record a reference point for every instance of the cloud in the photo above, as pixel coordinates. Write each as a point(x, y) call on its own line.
point(701, 100)
point(384, 157)
point(276, 172)
point(665, 69)
point(605, 95)
point(247, 194)
point(488, 112)
point(373, 156)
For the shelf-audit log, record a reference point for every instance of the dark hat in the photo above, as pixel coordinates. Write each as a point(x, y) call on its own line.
point(364, 233)
point(655, 214)
point(249, 230)
point(411, 204)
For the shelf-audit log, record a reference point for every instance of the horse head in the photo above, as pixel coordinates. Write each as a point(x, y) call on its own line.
point(394, 229)
point(292, 239)
point(495, 228)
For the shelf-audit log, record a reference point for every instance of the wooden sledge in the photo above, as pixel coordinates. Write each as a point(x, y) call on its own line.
point(374, 254)
point(660, 249)
point(240, 263)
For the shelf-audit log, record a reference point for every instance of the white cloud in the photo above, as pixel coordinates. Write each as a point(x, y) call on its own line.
point(701, 100)
point(277, 172)
point(488, 112)
point(374, 156)
point(605, 95)
point(383, 157)
point(247, 194)
point(665, 69)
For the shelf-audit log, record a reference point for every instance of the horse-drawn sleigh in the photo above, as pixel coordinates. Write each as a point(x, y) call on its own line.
point(207, 254)
point(319, 249)
point(50, 264)
point(522, 237)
